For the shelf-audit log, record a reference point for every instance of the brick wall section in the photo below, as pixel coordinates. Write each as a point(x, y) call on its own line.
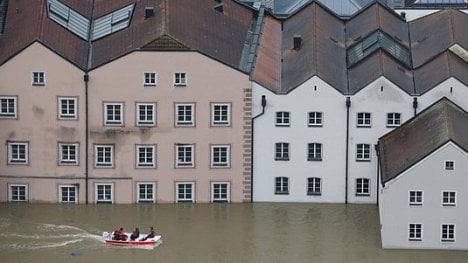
point(247, 146)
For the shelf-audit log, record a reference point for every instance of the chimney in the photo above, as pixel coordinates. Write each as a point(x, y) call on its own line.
point(297, 42)
point(149, 12)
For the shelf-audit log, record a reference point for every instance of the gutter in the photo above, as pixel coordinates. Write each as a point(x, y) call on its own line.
point(348, 105)
point(263, 103)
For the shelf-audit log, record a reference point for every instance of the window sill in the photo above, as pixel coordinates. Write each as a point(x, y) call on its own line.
point(281, 159)
point(180, 85)
point(281, 193)
point(38, 84)
point(363, 160)
point(415, 239)
point(416, 204)
point(314, 159)
point(282, 125)
point(363, 126)
point(449, 205)
point(314, 194)
point(149, 85)
point(363, 195)
point(315, 125)
point(447, 241)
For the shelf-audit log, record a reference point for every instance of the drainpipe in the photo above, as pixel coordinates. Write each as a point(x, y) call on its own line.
point(252, 147)
point(415, 105)
point(348, 105)
point(378, 169)
point(86, 80)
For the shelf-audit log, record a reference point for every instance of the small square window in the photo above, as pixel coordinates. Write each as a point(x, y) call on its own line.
point(314, 186)
point(18, 192)
point(282, 119)
point(220, 155)
point(281, 185)
point(8, 107)
point(146, 192)
point(393, 119)
point(282, 151)
point(149, 79)
point(146, 114)
point(68, 194)
point(67, 108)
point(180, 79)
point(220, 192)
point(364, 119)
point(185, 155)
point(314, 152)
point(448, 233)
point(17, 153)
point(68, 154)
point(185, 192)
point(362, 187)
point(185, 114)
point(363, 152)
point(104, 156)
point(146, 156)
point(220, 114)
point(315, 119)
point(415, 197)
point(113, 114)
point(449, 165)
point(449, 198)
point(104, 193)
point(415, 232)
point(38, 78)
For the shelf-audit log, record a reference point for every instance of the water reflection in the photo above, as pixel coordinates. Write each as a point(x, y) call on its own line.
point(263, 232)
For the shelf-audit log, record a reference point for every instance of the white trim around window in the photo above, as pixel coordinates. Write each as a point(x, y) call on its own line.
point(449, 198)
point(447, 232)
point(67, 108)
point(220, 156)
point(393, 119)
point(103, 156)
point(415, 232)
point(315, 119)
point(449, 165)
point(220, 114)
point(146, 192)
point(68, 153)
point(184, 155)
point(18, 193)
point(113, 113)
point(185, 192)
point(220, 192)
point(104, 193)
point(184, 114)
point(362, 187)
point(150, 79)
point(38, 78)
point(68, 194)
point(8, 107)
point(363, 120)
point(363, 152)
point(18, 153)
point(415, 197)
point(145, 156)
point(180, 79)
point(145, 114)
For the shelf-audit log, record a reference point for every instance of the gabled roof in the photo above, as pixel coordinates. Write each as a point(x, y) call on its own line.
point(420, 136)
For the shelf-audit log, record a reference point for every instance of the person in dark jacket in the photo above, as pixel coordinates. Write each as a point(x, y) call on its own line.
point(135, 234)
point(151, 234)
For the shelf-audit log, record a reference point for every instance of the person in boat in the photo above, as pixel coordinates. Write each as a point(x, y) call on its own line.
point(135, 234)
point(119, 234)
point(151, 234)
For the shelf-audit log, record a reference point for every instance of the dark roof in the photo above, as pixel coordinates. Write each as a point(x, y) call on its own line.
point(435, 33)
point(420, 136)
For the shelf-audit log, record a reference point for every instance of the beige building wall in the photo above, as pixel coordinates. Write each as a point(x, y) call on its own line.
point(208, 81)
point(37, 124)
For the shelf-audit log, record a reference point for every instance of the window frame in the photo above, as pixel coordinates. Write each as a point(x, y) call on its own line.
point(365, 185)
point(363, 121)
point(363, 155)
point(38, 78)
point(283, 119)
point(105, 200)
point(67, 161)
point(185, 122)
point(281, 185)
point(415, 232)
point(115, 122)
point(104, 164)
point(145, 122)
point(449, 165)
point(145, 164)
point(282, 151)
point(178, 76)
point(393, 119)
point(18, 197)
point(61, 194)
point(414, 199)
point(184, 199)
point(219, 164)
point(5, 104)
point(225, 120)
point(314, 184)
point(449, 200)
point(447, 234)
point(314, 151)
point(214, 198)
point(145, 198)
point(67, 116)
point(184, 164)
point(315, 121)
point(150, 79)
point(12, 160)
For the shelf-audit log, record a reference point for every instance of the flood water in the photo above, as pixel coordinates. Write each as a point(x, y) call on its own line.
point(261, 232)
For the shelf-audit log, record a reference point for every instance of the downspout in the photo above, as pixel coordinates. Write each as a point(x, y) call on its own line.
point(348, 105)
point(252, 147)
point(86, 80)
point(415, 105)
point(378, 169)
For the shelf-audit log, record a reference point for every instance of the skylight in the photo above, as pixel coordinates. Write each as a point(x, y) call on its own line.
point(110, 23)
point(68, 18)
point(374, 41)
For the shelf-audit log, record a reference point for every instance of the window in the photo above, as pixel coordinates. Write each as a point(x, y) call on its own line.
point(314, 152)
point(67, 108)
point(449, 198)
point(314, 186)
point(282, 119)
point(104, 155)
point(180, 79)
point(449, 165)
point(363, 152)
point(17, 153)
point(219, 192)
point(184, 192)
point(150, 79)
point(185, 114)
point(393, 119)
point(220, 155)
point(7, 107)
point(415, 232)
point(68, 153)
point(220, 114)
point(363, 119)
point(415, 197)
point(448, 233)
point(145, 192)
point(282, 151)
point(315, 119)
point(146, 155)
point(68, 194)
point(185, 155)
point(281, 185)
point(146, 114)
point(104, 193)
point(113, 114)
point(362, 187)
point(38, 78)
point(18, 193)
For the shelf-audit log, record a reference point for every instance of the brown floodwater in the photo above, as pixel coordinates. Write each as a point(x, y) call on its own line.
point(261, 232)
